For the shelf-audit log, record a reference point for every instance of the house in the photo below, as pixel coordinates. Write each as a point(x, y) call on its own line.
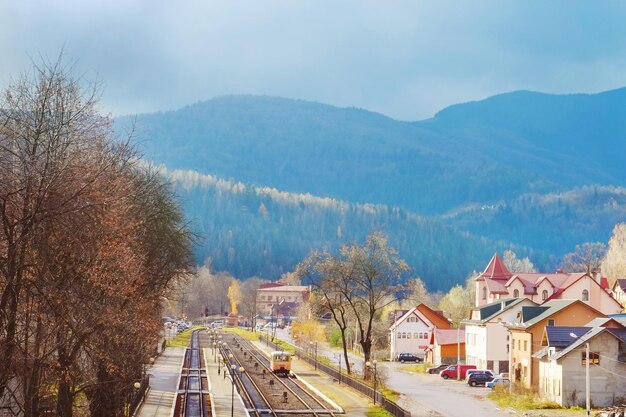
point(412, 331)
point(486, 337)
point(274, 297)
point(526, 333)
point(619, 291)
point(445, 346)
point(562, 367)
point(496, 282)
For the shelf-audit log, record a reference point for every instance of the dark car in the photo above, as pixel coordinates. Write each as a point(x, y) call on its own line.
point(437, 369)
point(408, 357)
point(479, 378)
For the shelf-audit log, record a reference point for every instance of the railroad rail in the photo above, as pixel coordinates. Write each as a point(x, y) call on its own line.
point(265, 393)
point(192, 398)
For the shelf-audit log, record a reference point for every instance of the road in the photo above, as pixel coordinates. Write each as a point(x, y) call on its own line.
point(426, 392)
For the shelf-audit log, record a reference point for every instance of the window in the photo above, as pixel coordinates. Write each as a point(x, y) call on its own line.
point(516, 293)
point(544, 295)
point(415, 335)
point(594, 358)
point(484, 293)
point(262, 297)
point(269, 298)
point(408, 335)
point(551, 322)
point(525, 345)
point(585, 295)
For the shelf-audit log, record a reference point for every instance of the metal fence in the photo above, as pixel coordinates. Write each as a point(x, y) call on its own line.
point(343, 378)
point(139, 395)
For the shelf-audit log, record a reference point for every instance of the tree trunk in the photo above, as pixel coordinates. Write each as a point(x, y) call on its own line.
point(65, 397)
point(345, 348)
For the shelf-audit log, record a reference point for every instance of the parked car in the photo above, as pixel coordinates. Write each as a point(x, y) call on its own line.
point(505, 382)
point(479, 378)
point(451, 371)
point(471, 371)
point(503, 375)
point(437, 369)
point(408, 357)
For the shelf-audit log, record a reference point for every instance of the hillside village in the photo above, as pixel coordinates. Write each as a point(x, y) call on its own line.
point(532, 327)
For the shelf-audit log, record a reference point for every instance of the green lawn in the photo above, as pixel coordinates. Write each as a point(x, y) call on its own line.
point(376, 411)
point(418, 368)
point(182, 339)
point(521, 399)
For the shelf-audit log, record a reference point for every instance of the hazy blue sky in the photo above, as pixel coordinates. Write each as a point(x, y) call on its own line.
point(406, 59)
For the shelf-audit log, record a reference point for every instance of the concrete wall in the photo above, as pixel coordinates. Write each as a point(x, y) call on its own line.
point(607, 380)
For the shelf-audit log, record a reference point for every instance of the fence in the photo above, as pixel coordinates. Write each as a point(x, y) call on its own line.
point(346, 379)
point(139, 395)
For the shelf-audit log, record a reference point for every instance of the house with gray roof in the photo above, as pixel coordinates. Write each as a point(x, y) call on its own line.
point(486, 336)
point(562, 360)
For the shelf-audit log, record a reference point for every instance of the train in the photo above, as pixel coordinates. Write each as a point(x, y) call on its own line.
point(280, 363)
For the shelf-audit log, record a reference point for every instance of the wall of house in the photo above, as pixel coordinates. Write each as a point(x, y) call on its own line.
point(577, 314)
point(607, 384)
point(480, 301)
point(521, 350)
point(598, 298)
point(416, 345)
point(446, 354)
point(517, 285)
point(267, 299)
point(475, 345)
point(551, 380)
point(545, 285)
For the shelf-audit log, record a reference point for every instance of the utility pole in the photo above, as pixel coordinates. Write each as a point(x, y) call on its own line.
point(587, 393)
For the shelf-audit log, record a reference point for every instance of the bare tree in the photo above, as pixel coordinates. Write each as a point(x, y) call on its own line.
point(585, 258)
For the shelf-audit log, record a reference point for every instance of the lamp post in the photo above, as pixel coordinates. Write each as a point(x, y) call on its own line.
point(373, 365)
point(338, 356)
point(458, 352)
point(587, 382)
point(232, 389)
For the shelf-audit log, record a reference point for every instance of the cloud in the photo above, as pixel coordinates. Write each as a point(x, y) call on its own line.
point(406, 59)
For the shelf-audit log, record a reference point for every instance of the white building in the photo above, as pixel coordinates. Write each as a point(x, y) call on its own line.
point(412, 332)
point(486, 337)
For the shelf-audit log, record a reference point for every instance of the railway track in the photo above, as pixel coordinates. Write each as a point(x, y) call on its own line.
point(264, 393)
point(192, 398)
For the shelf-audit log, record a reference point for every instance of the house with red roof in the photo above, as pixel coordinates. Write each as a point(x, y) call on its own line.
point(412, 331)
point(497, 282)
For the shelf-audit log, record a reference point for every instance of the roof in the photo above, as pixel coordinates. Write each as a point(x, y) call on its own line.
point(604, 283)
point(495, 270)
point(490, 311)
point(286, 287)
point(579, 341)
point(619, 333)
point(272, 284)
point(621, 283)
point(448, 336)
point(532, 315)
point(605, 322)
point(561, 336)
point(436, 317)
point(427, 315)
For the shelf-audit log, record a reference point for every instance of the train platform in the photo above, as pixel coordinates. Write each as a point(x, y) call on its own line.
point(222, 398)
point(354, 404)
point(163, 384)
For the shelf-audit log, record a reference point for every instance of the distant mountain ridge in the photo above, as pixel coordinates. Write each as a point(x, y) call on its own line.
point(497, 152)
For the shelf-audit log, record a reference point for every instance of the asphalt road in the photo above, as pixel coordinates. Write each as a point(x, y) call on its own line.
point(430, 392)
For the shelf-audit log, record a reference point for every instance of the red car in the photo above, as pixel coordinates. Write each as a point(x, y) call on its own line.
point(451, 371)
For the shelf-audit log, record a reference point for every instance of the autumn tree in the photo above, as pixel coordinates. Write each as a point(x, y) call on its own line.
point(585, 258)
point(89, 240)
point(363, 279)
point(614, 263)
point(234, 296)
point(459, 301)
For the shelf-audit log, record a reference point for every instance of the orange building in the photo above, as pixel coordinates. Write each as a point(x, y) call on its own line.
point(445, 346)
point(527, 333)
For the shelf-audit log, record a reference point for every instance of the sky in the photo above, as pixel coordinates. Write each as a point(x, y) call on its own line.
point(405, 59)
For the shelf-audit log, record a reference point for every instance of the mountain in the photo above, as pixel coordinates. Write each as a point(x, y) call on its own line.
point(537, 171)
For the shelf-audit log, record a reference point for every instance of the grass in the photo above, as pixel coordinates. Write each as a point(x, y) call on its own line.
point(181, 339)
point(246, 334)
point(378, 412)
point(390, 394)
point(521, 399)
point(421, 368)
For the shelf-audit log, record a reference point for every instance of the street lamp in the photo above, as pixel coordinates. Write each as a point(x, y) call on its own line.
point(214, 352)
point(373, 365)
point(232, 390)
point(338, 356)
point(587, 393)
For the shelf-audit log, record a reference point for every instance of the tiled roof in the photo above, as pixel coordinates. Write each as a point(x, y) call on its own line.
point(619, 333)
point(561, 336)
point(290, 288)
point(496, 270)
point(579, 341)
